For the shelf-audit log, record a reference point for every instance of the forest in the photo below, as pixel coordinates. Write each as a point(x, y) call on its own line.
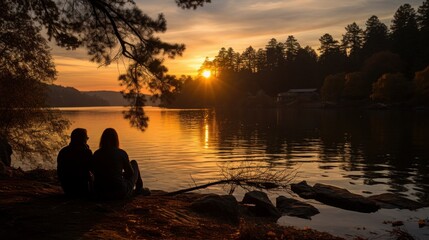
point(375, 64)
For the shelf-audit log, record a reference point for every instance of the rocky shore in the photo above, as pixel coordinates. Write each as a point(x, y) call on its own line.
point(32, 206)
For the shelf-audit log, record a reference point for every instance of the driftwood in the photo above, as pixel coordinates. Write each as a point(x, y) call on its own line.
point(240, 182)
point(248, 175)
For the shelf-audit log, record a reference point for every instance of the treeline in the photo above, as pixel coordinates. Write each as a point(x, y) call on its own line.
point(59, 96)
point(377, 63)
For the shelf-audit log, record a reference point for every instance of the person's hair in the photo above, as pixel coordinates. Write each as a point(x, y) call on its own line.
point(78, 136)
point(109, 139)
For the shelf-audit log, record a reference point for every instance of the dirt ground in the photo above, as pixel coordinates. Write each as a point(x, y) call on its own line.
point(32, 206)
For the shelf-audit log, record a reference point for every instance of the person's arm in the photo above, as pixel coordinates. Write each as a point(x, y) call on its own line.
point(128, 170)
point(89, 163)
point(60, 167)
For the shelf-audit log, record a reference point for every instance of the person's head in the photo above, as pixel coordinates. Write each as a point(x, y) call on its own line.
point(78, 136)
point(109, 139)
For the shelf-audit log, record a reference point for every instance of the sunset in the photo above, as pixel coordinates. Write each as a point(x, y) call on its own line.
point(226, 23)
point(214, 119)
point(206, 73)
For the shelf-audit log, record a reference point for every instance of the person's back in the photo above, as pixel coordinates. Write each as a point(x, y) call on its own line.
point(108, 167)
point(115, 177)
point(73, 164)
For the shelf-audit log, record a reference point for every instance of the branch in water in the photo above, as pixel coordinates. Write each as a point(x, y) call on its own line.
point(247, 177)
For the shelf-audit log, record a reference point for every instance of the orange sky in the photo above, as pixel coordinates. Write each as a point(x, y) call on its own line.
point(229, 23)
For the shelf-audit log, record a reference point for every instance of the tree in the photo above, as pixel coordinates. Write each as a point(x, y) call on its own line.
point(26, 123)
point(423, 23)
point(421, 85)
point(423, 17)
point(390, 88)
point(328, 44)
point(261, 60)
point(306, 63)
point(405, 35)
point(249, 59)
point(356, 86)
point(352, 40)
point(352, 44)
point(333, 87)
point(376, 37)
point(332, 58)
point(381, 63)
point(109, 30)
point(292, 47)
point(275, 54)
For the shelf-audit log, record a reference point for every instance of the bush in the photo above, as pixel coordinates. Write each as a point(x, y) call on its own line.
point(390, 88)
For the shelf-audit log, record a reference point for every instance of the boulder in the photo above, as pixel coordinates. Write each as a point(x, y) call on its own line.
point(335, 196)
point(261, 205)
point(391, 200)
point(342, 198)
point(223, 207)
point(293, 207)
point(303, 190)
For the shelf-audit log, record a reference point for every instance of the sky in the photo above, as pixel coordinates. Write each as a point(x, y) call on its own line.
point(229, 23)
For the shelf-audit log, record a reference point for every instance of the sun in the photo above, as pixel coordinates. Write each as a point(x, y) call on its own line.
point(206, 73)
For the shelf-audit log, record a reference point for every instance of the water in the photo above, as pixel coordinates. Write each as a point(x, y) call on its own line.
point(366, 152)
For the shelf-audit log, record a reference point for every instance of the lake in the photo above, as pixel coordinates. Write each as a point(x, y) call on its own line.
point(365, 151)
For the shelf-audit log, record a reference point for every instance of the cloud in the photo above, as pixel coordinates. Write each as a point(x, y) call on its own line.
point(241, 23)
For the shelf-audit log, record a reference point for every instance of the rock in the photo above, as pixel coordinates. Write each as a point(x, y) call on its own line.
point(293, 207)
point(303, 190)
point(391, 200)
point(397, 223)
point(339, 197)
point(334, 196)
point(263, 207)
point(223, 207)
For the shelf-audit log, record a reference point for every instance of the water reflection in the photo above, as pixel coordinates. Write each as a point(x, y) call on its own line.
point(363, 151)
point(388, 148)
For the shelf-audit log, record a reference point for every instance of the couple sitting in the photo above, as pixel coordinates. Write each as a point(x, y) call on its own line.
point(108, 174)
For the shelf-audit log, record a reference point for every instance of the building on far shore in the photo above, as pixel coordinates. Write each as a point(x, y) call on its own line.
point(297, 96)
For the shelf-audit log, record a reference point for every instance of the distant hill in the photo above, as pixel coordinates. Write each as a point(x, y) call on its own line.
point(116, 98)
point(112, 97)
point(60, 96)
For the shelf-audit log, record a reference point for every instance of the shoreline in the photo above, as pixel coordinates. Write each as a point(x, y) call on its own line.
point(32, 205)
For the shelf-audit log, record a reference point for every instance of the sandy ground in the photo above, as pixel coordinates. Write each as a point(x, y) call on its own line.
point(32, 206)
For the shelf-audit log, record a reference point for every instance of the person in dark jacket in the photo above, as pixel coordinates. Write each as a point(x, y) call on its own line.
point(115, 177)
point(73, 165)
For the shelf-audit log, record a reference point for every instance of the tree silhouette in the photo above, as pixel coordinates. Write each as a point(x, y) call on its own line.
point(332, 58)
point(292, 47)
point(391, 87)
point(275, 54)
point(352, 43)
point(376, 37)
point(353, 39)
point(405, 35)
point(109, 30)
point(423, 23)
point(249, 59)
point(421, 85)
point(381, 63)
point(332, 88)
point(362, 58)
point(357, 86)
point(26, 122)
